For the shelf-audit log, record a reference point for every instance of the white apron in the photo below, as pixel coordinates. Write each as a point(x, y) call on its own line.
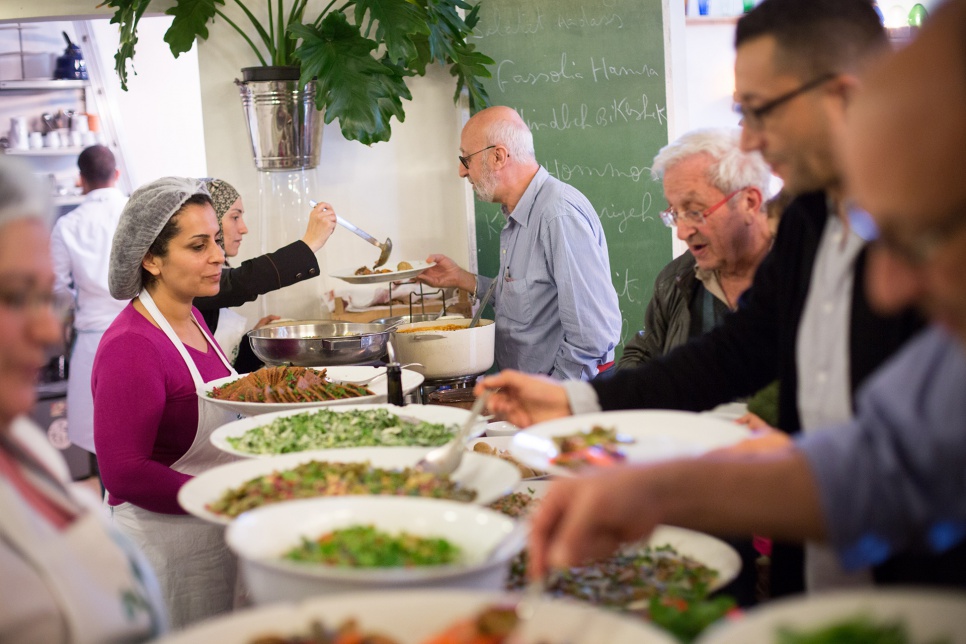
point(82, 584)
point(80, 400)
point(196, 570)
point(231, 330)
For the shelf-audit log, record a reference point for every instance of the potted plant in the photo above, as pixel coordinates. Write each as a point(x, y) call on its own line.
point(358, 54)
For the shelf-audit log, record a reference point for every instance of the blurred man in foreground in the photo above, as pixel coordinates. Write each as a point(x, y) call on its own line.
point(894, 479)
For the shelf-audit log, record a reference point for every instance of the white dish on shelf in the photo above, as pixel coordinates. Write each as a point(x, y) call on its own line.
point(348, 275)
point(410, 380)
point(453, 416)
point(658, 435)
point(413, 616)
point(490, 477)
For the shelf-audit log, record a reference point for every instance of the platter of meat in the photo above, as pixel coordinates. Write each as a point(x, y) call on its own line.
point(272, 389)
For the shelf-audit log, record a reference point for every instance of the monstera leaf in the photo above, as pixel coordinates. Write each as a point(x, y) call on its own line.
point(352, 85)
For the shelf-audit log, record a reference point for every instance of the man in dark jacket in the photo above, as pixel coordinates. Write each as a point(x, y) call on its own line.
point(806, 319)
point(716, 195)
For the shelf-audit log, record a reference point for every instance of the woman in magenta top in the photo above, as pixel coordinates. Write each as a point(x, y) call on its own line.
point(151, 429)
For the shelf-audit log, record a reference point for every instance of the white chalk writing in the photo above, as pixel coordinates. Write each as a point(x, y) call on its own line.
point(507, 76)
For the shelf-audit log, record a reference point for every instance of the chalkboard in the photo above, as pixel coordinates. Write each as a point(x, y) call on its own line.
point(588, 78)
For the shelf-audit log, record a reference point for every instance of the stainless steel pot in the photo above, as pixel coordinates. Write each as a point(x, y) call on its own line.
point(320, 343)
point(447, 354)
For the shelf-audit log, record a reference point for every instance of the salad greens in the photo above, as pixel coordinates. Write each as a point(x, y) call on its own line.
point(324, 429)
point(859, 630)
point(364, 546)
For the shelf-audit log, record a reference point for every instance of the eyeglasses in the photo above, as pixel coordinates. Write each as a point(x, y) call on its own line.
point(466, 160)
point(916, 251)
point(670, 217)
point(754, 117)
point(24, 300)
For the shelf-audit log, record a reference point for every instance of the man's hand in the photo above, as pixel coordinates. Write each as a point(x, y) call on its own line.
point(590, 516)
point(523, 399)
point(447, 273)
point(764, 438)
point(321, 225)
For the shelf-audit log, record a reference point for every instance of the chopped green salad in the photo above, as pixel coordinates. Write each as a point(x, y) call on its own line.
point(324, 429)
point(365, 547)
point(859, 630)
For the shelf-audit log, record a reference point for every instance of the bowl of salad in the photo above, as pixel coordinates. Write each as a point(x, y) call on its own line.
point(298, 549)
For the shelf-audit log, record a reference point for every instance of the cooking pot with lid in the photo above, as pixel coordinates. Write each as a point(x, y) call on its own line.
point(446, 354)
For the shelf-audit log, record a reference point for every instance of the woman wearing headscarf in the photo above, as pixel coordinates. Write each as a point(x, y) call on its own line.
point(272, 271)
point(65, 574)
point(151, 429)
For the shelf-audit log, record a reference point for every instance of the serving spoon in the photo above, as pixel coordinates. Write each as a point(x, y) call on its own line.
point(446, 458)
point(385, 247)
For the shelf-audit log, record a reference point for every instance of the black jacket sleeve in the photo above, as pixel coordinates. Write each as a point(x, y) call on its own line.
point(263, 274)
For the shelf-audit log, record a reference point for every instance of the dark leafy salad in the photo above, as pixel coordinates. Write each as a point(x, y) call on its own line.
point(858, 630)
point(364, 546)
point(324, 429)
point(321, 478)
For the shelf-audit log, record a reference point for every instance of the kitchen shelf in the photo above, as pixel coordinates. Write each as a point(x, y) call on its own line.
point(40, 83)
point(46, 152)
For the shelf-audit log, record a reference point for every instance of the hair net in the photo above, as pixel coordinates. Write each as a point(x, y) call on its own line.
point(143, 218)
point(20, 194)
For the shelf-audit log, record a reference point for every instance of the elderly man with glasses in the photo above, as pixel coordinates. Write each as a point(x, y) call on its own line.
point(716, 196)
point(806, 319)
point(556, 307)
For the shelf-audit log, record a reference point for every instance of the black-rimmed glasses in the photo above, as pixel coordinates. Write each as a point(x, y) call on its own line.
point(466, 160)
point(754, 117)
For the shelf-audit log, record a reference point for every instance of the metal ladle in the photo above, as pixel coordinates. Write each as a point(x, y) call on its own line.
point(385, 247)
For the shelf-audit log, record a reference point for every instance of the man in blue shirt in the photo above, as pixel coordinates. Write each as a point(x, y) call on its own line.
point(556, 307)
point(890, 486)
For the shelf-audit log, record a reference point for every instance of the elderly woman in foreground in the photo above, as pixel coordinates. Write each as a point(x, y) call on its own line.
point(66, 577)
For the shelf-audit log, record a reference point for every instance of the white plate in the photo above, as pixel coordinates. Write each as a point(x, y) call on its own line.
point(501, 428)
point(703, 548)
point(412, 616)
point(498, 442)
point(429, 413)
point(349, 275)
point(490, 477)
point(658, 434)
point(927, 614)
point(410, 380)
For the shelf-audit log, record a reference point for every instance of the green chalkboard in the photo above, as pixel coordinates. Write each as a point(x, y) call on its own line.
point(588, 77)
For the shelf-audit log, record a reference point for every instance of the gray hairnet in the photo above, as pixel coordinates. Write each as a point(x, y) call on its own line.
point(20, 194)
point(143, 218)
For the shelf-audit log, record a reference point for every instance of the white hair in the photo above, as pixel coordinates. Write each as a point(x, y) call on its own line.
point(21, 196)
point(514, 136)
point(730, 170)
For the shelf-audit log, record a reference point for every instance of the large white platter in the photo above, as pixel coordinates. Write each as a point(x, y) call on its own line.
point(349, 275)
point(410, 380)
point(428, 413)
point(928, 615)
point(658, 435)
point(412, 616)
point(490, 477)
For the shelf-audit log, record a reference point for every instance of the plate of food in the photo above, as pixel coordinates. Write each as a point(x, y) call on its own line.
point(274, 389)
point(388, 273)
point(564, 446)
point(672, 562)
point(498, 446)
point(301, 430)
point(224, 492)
point(856, 617)
point(421, 617)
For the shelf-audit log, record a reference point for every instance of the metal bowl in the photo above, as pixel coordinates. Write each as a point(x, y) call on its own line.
point(320, 343)
point(406, 319)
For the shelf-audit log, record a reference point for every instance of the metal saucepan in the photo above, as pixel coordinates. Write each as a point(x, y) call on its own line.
point(322, 343)
point(447, 354)
point(406, 319)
